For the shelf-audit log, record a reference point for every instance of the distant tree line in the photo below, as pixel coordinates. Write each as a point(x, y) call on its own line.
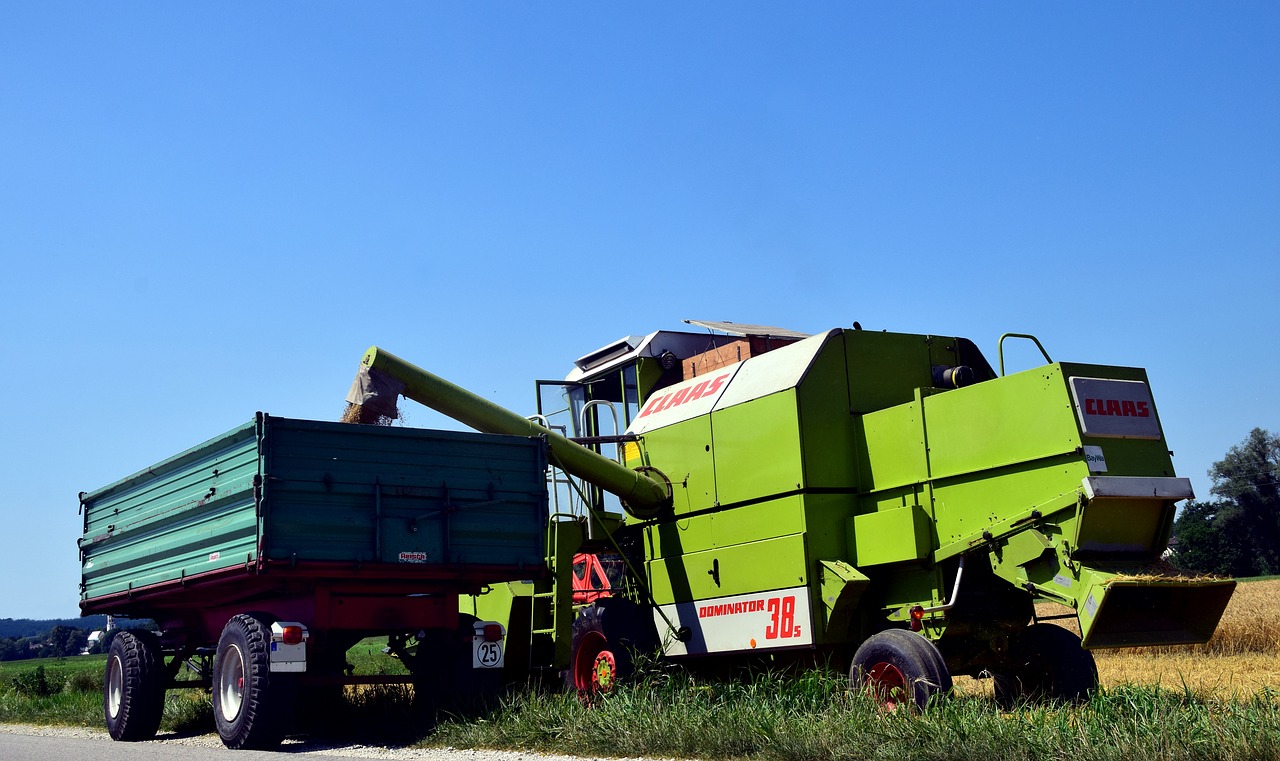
point(1237, 534)
point(60, 640)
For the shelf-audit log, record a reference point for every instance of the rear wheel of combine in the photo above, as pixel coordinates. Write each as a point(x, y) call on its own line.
point(133, 686)
point(897, 667)
point(606, 635)
point(1047, 664)
point(251, 705)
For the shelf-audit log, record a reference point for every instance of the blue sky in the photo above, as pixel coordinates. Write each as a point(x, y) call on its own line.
point(209, 210)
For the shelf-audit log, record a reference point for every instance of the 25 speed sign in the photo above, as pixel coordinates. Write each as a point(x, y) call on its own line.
point(486, 645)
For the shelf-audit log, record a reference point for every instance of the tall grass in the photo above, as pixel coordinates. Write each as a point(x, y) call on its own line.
point(813, 718)
point(68, 691)
point(807, 717)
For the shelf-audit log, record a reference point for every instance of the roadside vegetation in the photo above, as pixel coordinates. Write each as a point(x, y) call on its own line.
point(1215, 701)
point(672, 714)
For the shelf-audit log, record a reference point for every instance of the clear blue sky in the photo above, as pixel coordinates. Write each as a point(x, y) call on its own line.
point(212, 209)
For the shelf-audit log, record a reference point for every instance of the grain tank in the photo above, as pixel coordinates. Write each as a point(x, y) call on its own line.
point(884, 499)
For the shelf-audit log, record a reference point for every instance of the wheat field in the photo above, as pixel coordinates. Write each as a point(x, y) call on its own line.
point(1241, 659)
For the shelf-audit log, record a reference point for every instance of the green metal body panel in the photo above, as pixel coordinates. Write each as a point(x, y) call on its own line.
point(724, 571)
point(742, 475)
point(297, 492)
point(683, 453)
point(910, 527)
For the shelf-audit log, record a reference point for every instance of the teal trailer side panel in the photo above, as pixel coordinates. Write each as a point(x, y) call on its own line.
point(190, 514)
point(338, 492)
point(294, 492)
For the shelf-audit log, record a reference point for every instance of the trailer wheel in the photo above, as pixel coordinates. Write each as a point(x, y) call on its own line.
point(897, 667)
point(133, 686)
point(251, 705)
point(1047, 664)
point(606, 635)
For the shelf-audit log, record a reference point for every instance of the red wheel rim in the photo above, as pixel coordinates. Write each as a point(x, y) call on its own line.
point(590, 649)
point(604, 672)
point(887, 685)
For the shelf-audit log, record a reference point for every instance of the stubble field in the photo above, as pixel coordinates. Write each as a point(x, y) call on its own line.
point(1242, 658)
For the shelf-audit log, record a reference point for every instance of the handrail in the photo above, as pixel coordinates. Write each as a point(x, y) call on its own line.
point(582, 426)
point(1000, 348)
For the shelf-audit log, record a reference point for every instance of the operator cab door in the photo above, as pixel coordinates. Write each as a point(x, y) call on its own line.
point(574, 411)
point(600, 409)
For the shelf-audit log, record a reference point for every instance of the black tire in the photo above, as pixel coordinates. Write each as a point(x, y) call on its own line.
point(606, 637)
point(1046, 664)
point(251, 705)
point(133, 686)
point(896, 667)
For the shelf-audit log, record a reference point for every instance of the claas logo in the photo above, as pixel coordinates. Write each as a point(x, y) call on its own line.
point(686, 394)
point(1116, 408)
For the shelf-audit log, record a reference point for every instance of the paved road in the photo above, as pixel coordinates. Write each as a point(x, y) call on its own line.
point(26, 743)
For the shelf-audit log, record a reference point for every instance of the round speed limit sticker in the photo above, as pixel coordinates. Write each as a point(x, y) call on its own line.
point(486, 645)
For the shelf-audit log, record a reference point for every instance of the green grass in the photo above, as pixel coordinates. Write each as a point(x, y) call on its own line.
point(812, 718)
point(68, 691)
point(809, 717)
point(367, 658)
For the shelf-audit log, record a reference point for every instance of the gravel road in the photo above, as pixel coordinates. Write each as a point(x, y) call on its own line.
point(22, 742)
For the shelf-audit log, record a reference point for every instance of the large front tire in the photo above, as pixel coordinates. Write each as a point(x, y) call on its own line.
point(133, 686)
point(897, 667)
point(1047, 664)
point(606, 636)
point(251, 705)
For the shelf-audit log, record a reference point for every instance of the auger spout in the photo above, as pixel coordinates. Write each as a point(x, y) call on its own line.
point(383, 377)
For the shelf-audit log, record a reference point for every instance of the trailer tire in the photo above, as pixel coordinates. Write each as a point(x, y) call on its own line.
point(133, 686)
point(607, 635)
point(896, 667)
point(1047, 664)
point(251, 705)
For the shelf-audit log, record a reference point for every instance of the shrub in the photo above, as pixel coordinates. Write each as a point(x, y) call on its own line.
point(84, 681)
point(34, 684)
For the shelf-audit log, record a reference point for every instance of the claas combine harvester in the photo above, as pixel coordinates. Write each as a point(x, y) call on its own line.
point(882, 500)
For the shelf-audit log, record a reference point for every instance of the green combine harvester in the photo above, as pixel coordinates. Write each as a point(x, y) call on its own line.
point(883, 500)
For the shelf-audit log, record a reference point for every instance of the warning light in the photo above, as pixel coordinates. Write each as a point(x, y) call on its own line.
point(291, 635)
point(917, 618)
point(493, 632)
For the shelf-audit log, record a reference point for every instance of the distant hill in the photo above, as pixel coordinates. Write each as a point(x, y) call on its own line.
point(17, 628)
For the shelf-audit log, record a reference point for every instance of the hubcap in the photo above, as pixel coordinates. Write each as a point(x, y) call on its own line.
point(586, 662)
point(115, 686)
point(230, 682)
point(604, 673)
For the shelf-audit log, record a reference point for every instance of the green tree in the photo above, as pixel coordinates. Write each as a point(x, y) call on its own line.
point(1238, 534)
point(1249, 476)
point(1203, 532)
